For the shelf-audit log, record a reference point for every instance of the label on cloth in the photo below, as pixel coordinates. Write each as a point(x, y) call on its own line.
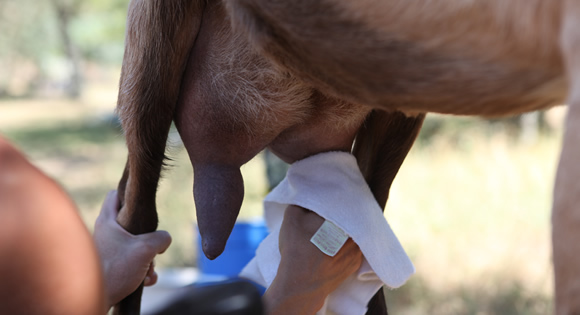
point(329, 238)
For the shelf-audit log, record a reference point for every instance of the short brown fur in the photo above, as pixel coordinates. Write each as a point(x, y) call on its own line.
point(467, 57)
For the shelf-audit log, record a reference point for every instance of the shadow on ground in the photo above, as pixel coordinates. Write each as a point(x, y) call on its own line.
point(500, 297)
point(58, 139)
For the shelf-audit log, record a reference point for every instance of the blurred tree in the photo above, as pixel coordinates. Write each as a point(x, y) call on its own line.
point(45, 42)
point(66, 11)
point(275, 169)
point(530, 127)
point(100, 30)
point(25, 38)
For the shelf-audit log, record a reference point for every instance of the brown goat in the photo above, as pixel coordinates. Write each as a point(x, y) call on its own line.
point(183, 62)
point(476, 57)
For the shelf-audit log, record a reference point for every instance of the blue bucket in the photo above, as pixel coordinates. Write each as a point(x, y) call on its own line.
point(240, 249)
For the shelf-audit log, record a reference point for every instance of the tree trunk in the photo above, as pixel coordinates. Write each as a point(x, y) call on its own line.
point(529, 128)
point(64, 14)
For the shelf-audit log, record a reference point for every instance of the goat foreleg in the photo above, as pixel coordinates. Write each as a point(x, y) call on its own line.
point(566, 208)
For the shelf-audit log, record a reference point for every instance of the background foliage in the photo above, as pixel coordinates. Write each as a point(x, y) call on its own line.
point(45, 45)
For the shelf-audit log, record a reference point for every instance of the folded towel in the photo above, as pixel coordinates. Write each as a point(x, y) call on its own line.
point(332, 185)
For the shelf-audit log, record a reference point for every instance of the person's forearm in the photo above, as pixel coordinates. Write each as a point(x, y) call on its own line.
point(278, 301)
point(291, 295)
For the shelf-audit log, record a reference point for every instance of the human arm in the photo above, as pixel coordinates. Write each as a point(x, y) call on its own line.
point(49, 263)
point(127, 260)
point(306, 276)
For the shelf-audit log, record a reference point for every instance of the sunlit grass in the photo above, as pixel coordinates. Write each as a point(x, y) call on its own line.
point(476, 220)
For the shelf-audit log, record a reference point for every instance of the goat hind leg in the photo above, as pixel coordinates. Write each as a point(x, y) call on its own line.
point(566, 218)
point(160, 35)
point(381, 146)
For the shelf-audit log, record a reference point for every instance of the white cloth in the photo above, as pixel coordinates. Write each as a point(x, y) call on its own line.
point(331, 185)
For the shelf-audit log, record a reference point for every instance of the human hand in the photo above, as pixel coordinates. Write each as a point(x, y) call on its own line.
point(306, 275)
point(127, 259)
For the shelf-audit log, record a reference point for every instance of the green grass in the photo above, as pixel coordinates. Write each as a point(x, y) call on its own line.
point(470, 204)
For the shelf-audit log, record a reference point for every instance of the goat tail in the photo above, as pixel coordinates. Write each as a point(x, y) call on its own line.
point(381, 146)
point(159, 38)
